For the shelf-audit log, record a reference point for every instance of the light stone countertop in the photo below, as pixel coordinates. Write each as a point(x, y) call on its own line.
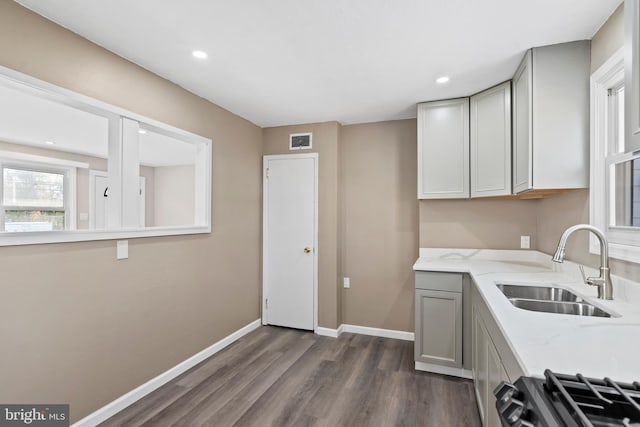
point(593, 346)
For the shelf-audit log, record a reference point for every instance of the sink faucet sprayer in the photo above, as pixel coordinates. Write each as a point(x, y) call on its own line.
point(605, 289)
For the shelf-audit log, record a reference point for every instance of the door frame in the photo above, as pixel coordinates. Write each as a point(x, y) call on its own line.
point(142, 207)
point(265, 237)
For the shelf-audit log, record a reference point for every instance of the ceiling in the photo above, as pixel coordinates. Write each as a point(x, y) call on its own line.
point(282, 62)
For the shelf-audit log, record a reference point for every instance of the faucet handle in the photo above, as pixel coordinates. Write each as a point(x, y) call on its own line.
point(584, 276)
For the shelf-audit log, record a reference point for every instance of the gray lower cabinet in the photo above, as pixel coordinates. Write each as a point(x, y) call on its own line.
point(440, 330)
point(439, 327)
point(488, 373)
point(492, 358)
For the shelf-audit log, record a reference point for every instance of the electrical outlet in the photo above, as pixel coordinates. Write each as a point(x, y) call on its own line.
point(346, 282)
point(122, 249)
point(525, 242)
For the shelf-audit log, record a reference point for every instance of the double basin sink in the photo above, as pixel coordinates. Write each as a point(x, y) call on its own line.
point(549, 300)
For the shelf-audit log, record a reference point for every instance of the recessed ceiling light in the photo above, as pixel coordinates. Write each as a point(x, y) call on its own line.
point(142, 131)
point(49, 142)
point(199, 54)
point(442, 79)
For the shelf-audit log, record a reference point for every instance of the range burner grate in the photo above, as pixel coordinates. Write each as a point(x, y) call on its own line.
point(594, 402)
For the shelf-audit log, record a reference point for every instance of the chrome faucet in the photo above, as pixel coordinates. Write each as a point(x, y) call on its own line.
point(605, 289)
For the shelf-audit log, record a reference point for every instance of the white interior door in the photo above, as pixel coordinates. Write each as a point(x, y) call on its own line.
point(98, 209)
point(99, 198)
point(289, 240)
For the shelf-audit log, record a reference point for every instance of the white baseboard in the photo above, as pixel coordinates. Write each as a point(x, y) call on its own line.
point(377, 332)
point(328, 332)
point(446, 370)
point(365, 330)
point(138, 393)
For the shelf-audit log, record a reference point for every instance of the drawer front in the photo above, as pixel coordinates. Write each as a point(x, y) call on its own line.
point(448, 282)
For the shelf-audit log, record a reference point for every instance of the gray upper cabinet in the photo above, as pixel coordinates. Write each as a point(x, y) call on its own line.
point(551, 118)
point(632, 75)
point(443, 149)
point(522, 169)
point(491, 142)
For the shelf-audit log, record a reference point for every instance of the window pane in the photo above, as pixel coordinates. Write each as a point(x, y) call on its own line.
point(33, 220)
point(33, 189)
point(626, 195)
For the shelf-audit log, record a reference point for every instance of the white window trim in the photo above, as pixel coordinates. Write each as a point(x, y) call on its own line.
point(624, 242)
point(204, 161)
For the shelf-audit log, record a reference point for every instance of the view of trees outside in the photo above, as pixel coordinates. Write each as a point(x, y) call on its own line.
point(33, 200)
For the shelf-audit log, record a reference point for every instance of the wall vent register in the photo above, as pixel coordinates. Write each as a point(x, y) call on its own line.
point(300, 141)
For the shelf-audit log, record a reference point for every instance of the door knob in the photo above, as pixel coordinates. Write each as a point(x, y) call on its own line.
point(307, 250)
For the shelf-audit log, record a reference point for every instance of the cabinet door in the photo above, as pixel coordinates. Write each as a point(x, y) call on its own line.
point(522, 125)
point(443, 149)
point(495, 374)
point(439, 328)
point(480, 365)
point(632, 75)
point(491, 142)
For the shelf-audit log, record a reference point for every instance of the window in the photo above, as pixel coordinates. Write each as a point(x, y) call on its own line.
point(615, 174)
point(33, 200)
point(73, 168)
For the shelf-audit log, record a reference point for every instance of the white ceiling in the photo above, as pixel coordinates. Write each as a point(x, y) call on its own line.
point(281, 62)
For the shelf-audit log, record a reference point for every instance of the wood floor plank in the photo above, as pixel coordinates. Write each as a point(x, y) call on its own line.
point(224, 380)
point(283, 377)
point(147, 407)
point(223, 409)
point(299, 384)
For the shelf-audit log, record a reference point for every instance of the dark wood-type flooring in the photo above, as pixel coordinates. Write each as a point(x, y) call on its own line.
point(285, 377)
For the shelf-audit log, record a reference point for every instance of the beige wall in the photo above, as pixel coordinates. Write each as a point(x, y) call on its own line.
point(379, 223)
point(174, 195)
point(608, 39)
point(495, 224)
point(80, 327)
point(559, 212)
point(326, 142)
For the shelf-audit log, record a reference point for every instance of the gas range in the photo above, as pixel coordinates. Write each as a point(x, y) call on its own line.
point(568, 400)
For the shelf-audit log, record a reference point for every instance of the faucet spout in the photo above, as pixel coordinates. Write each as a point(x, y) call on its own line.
point(603, 282)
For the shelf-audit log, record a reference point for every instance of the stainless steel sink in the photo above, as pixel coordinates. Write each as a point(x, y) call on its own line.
point(549, 300)
point(538, 293)
point(575, 308)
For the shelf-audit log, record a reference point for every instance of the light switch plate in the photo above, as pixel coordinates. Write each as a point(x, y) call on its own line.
point(84, 216)
point(122, 249)
point(525, 242)
point(346, 282)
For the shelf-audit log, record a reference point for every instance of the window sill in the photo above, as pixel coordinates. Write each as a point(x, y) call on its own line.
point(618, 251)
point(44, 237)
point(624, 252)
